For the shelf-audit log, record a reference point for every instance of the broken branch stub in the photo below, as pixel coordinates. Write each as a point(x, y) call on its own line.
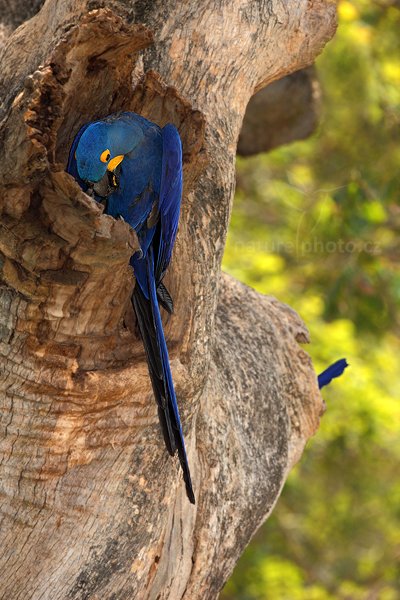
point(284, 111)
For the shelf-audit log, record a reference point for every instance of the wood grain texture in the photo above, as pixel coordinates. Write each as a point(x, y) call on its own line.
point(91, 505)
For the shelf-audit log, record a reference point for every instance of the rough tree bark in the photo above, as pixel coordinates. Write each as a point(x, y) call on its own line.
point(92, 507)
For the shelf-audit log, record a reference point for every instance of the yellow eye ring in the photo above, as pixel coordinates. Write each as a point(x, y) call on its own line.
point(105, 156)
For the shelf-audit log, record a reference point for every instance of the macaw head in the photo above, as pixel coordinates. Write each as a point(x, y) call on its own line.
point(103, 146)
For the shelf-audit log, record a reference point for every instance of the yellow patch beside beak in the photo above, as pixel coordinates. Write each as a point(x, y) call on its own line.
point(114, 162)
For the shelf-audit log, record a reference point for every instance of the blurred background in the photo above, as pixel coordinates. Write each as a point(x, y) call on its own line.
point(316, 224)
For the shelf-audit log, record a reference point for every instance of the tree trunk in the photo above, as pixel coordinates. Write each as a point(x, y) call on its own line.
point(92, 506)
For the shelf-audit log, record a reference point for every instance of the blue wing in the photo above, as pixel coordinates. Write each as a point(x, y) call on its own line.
point(331, 372)
point(162, 237)
point(169, 203)
point(157, 243)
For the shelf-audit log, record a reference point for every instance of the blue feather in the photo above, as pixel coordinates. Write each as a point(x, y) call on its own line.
point(334, 370)
point(170, 194)
point(72, 167)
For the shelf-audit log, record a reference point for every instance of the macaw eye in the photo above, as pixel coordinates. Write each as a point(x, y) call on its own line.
point(105, 156)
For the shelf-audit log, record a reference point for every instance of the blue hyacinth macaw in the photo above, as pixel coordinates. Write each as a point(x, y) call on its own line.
point(332, 372)
point(135, 167)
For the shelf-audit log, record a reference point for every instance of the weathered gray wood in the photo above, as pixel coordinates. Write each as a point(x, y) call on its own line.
point(92, 507)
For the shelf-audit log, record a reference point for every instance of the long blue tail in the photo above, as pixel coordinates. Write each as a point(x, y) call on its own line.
point(331, 372)
point(149, 319)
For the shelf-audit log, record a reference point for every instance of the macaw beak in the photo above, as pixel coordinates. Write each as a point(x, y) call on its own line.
point(114, 162)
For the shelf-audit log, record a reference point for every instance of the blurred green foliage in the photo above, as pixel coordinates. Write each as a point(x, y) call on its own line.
point(316, 224)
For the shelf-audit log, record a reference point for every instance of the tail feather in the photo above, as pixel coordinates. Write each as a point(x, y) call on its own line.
point(144, 316)
point(151, 329)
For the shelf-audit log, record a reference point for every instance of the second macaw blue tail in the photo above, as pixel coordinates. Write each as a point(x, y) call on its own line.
point(331, 372)
point(151, 329)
